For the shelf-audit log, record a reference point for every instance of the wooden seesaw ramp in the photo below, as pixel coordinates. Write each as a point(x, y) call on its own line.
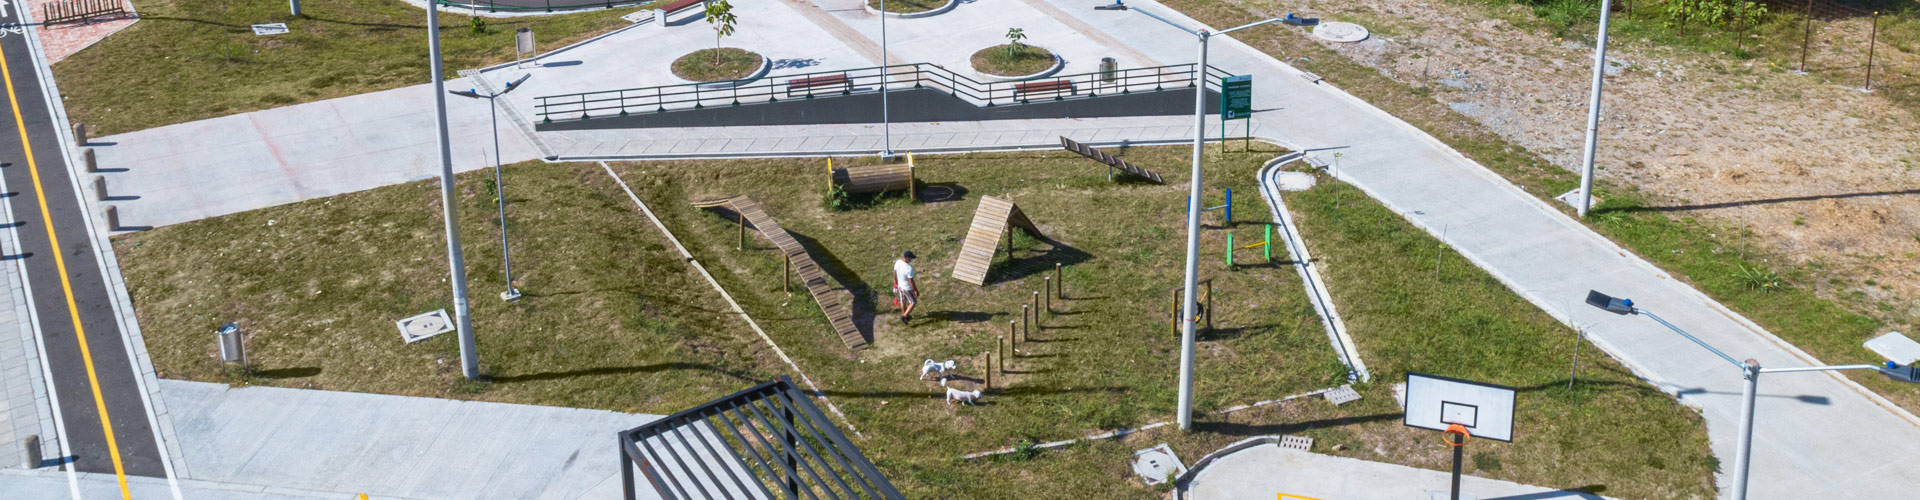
point(990, 221)
point(811, 276)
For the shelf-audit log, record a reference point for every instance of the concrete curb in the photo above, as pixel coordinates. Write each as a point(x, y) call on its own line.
point(1316, 287)
point(912, 15)
point(1058, 64)
point(766, 65)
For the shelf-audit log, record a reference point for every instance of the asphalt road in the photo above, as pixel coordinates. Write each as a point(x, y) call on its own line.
point(94, 378)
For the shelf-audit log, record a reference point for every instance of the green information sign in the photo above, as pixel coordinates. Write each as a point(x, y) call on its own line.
point(1236, 97)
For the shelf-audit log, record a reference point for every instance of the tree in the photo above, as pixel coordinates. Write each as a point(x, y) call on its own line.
point(1014, 36)
point(720, 15)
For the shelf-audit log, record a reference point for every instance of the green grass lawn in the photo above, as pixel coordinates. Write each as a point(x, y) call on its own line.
point(1707, 256)
point(712, 65)
point(611, 319)
point(614, 319)
point(1111, 361)
point(187, 60)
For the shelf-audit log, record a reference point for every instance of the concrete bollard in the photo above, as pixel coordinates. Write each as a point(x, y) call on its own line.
point(113, 218)
point(659, 19)
point(79, 134)
point(100, 188)
point(30, 452)
point(93, 165)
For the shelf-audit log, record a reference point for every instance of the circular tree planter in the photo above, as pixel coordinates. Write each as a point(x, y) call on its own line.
point(737, 67)
point(909, 9)
point(1026, 63)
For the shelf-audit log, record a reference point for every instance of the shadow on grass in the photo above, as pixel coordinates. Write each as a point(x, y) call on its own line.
point(1015, 268)
point(944, 192)
point(619, 370)
point(1588, 492)
point(863, 304)
point(1767, 201)
point(1234, 429)
point(287, 373)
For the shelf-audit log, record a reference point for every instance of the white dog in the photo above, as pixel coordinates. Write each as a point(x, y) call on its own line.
point(940, 370)
point(964, 397)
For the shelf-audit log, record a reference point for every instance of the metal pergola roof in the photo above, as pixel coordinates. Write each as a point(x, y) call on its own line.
point(767, 442)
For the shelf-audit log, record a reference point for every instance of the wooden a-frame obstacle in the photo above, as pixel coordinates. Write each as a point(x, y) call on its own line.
point(990, 223)
point(797, 262)
point(1112, 163)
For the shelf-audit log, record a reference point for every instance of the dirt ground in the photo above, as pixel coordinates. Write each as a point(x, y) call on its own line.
point(1819, 171)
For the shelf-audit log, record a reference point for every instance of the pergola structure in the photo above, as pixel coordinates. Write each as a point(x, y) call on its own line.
point(766, 442)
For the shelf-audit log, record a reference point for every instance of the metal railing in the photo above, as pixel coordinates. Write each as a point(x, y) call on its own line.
point(774, 88)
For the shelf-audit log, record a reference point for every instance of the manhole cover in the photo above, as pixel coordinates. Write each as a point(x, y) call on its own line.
point(1157, 464)
point(1340, 32)
point(421, 327)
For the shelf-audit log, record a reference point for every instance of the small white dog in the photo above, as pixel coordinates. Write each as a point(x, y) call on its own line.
point(938, 369)
point(964, 397)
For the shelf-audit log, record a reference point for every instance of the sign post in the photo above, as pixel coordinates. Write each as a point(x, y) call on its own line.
point(1236, 103)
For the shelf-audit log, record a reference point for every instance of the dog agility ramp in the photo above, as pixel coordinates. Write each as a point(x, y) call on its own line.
point(990, 222)
point(1112, 163)
point(811, 276)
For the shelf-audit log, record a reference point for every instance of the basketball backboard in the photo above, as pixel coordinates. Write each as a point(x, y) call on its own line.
point(1435, 402)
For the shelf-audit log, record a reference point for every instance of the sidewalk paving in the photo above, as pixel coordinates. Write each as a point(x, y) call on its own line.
point(394, 446)
point(1265, 471)
point(1818, 436)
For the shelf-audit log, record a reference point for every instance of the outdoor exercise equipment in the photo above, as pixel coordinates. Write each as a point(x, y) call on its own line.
point(874, 179)
point(1203, 308)
point(1225, 208)
point(990, 221)
point(1111, 162)
point(1265, 245)
point(796, 262)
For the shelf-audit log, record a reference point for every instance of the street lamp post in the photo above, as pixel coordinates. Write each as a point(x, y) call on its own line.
point(1750, 370)
point(456, 261)
point(1593, 110)
point(886, 74)
point(499, 189)
point(1188, 304)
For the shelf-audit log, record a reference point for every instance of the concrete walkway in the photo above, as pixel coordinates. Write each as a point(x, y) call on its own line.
point(1835, 444)
point(263, 442)
point(1266, 471)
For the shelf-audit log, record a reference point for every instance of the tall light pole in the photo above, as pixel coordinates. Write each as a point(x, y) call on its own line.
point(1193, 204)
point(469, 360)
point(1750, 370)
point(499, 188)
point(1593, 110)
point(886, 74)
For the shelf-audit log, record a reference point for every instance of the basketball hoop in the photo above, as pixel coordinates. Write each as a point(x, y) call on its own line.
point(1455, 429)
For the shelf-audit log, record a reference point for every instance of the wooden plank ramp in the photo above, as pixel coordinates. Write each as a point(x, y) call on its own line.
point(1103, 157)
point(812, 277)
point(990, 222)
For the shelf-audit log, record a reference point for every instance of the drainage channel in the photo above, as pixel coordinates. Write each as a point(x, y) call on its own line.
point(1316, 287)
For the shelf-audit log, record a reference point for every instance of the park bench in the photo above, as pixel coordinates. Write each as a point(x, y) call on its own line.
point(678, 5)
point(812, 82)
point(1055, 86)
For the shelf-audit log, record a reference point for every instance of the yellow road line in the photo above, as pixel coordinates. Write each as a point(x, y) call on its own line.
point(73, 310)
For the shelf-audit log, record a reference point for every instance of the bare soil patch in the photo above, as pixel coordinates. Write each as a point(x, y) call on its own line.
point(1819, 172)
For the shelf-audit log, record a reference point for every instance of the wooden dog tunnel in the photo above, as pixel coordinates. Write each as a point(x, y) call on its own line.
point(874, 179)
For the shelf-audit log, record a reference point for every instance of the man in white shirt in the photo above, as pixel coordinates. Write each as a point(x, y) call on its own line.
point(906, 294)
